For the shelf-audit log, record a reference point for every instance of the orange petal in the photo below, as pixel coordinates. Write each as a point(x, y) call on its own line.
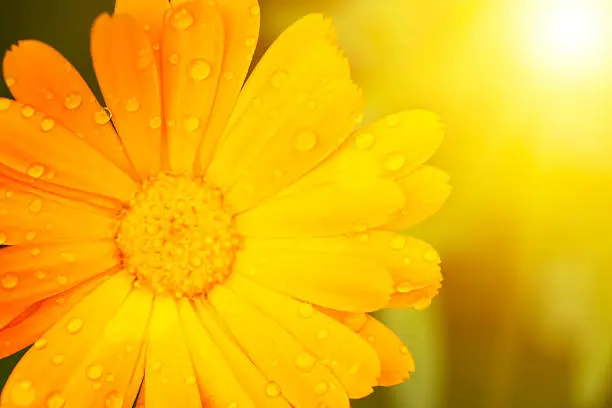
point(39, 378)
point(125, 66)
point(31, 272)
point(332, 209)
point(302, 142)
point(191, 64)
point(45, 80)
point(135, 390)
point(346, 355)
point(148, 13)
point(426, 190)
point(170, 377)
point(390, 147)
point(217, 382)
point(41, 316)
point(277, 99)
point(274, 351)
point(241, 29)
point(59, 155)
point(251, 377)
point(327, 279)
point(28, 214)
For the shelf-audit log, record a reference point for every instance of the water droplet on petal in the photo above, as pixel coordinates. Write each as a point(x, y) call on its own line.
point(23, 394)
point(228, 75)
point(191, 380)
point(395, 161)
point(58, 359)
point(364, 141)
point(74, 325)
point(36, 206)
point(47, 124)
point(404, 350)
point(321, 388)
point(279, 78)
point(323, 334)
point(5, 104)
point(305, 140)
point(36, 170)
point(191, 124)
point(199, 70)
point(56, 401)
point(9, 281)
point(356, 321)
point(62, 280)
point(155, 123)
point(27, 112)
point(255, 10)
point(113, 400)
point(94, 372)
point(73, 101)
point(40, 344)
point(175, 59)
point(10, 82)
point(182, 19)
point(250, 42)
point(273, 390)
point(398, 242)
point(305, 361)
point(432, 256)
point(132, 105)
point(40, 275)
point(405, 287)
point(156, 366)
point(30, 235)
point(306, 310)
point(103, 116)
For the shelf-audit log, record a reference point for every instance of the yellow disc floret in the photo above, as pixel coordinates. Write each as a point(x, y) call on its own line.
point(177, 237)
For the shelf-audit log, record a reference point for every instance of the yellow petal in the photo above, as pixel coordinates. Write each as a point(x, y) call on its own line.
point(217, 382)
point(45, 369)
point(60, 156)
point(45, 80)
point(331, 209)
point(192, 58)
point(274, 351)
point(30, 215)
point(333, 345)
point(170, 377)
point(31, 272)
point(125, 66)
point(426, 190)
point(241, 27)
point(327, 279)
point(251, 378)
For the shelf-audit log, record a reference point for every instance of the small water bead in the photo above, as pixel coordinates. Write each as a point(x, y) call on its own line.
point(56, 400)
point(250, 42)
point(10, 82)
point(94, 372)
point(62, 280)
point(27, 112)
point(191, 380)
point(356, 321)
point(40, 344)
point(229, 75)
point(191, 124)
point(96, 386)
point(431, 256)
point(255, 10)
point(156, 47)
point(103, 116)
point(405, 287)
point(132, 105)
point(9, 281)
point(47, 124)
point(199, 70)
point(47, 94)
point(395, 161)
point(404, 350)
point(36, 170)
point(182, 19)
point(73, 101)
point(306, 310)
point(74, 325)
point(113, 400)
point(279, 79)
point(36, 206)
point(175, 59)
point(5, 104)
point(40, 275)
point(323, 334)
point(155, 123)
point(305, 361)
point(305, 140)
point(58, 359)
point(398, 242)
point(273, 389)
point(30, 235)
point(23, 394)
point(321, 388)
point(156, 366)
point(364, 141)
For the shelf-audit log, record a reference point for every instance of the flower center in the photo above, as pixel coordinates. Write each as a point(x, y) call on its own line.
point(177, 237)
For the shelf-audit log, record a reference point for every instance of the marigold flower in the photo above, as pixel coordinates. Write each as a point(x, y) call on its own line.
point(199, 241)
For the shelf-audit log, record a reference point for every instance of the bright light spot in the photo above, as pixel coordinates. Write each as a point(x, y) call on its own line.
point(570, 33)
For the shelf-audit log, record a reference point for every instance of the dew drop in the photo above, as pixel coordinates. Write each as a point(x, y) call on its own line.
point(36, 170)
point(279, 79)
point(47, 124)
point(9, 281)
point(40, 344)
point(199, 70)
point(322, 334)
point(23, 394)
point(96, 386)
point(94, 372)
point(398, 242)
point(395, 161)
point(404, 287)
point(36, 206)
point(27, 112)
point(175, 59)
point(229, 75)
point(191, 380)
point(321, 388)
point(191, 124)
point(305, 361)
point(58, 359)
point(155, 122)
point(255, 10)
point(250, 42)
point(356, 321)
point(132, 105)
point(272, 389)
point(364, 141)
point(73, 101)
point(40, 275)
point(305, 140)
point(56, 401)
point(113, 400)
point(10, 82)
point(182, 19)
point(306, 310)
point(5, 104)
point(404, 350)
point(431, 256)
point(62, 280)
point(103, 116)
point(156, 366)
point(30, 235)
point(74, 325)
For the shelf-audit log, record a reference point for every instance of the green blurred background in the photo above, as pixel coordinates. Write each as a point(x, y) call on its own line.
point(525, 88)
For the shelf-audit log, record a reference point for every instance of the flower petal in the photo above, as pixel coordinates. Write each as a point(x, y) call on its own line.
point(192, 60)
point(274, 352)
point(426, 190)
point(273, 100)
point(31, 272)
point(327, 279)
point(60, 156)
point(45, 80)
point(41, 316)
point(332, 209)
point(45, 370)
point(28, 214)
point(241, 27)
point(346, 355)
point(125, 66)
point(215, 377)
point(251, 378)
point(170, 377)
point(148, 13)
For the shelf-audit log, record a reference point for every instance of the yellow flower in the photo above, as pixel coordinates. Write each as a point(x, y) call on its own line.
point(219, 244)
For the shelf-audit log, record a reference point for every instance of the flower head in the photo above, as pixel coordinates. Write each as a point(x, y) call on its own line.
point(198, 240)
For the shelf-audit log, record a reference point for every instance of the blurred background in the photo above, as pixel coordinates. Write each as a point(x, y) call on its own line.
point(525, 89)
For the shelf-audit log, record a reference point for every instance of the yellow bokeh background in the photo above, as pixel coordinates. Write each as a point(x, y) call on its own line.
point(525, 89)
